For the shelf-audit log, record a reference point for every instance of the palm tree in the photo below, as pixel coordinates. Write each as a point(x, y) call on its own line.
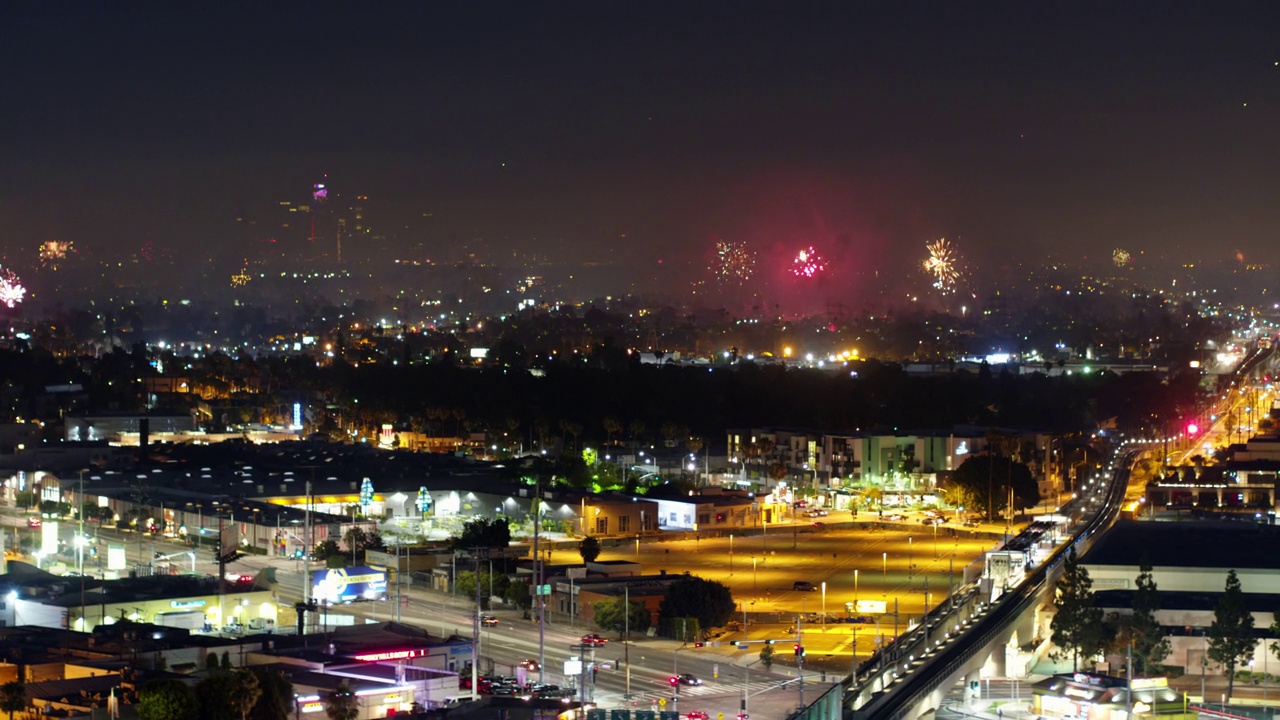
point(244, 691)
point(637, 428)
point(611, 428)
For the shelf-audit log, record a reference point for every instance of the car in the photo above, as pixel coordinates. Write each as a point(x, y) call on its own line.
point(593, 640)
point(932, 521)
point(822, 513)
point(697, 715)
point(971, 523)
point(488, 620)
point(804, 586)
point(813, 513)
point(687, 679)
point(530, 664)
point(820, 525)
point(34, 522)
point(895, 517)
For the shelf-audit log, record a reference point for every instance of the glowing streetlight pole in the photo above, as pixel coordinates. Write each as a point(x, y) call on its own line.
point(884, 566)
point(730, 554)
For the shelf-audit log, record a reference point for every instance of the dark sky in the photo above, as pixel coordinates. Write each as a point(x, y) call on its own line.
point(1020, 128)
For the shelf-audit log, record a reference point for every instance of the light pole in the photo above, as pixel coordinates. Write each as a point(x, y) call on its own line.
point(911, 556)
point(754, 586)
point(824, 603)
point(855, 589)
point(730, 554)
point(884, 566)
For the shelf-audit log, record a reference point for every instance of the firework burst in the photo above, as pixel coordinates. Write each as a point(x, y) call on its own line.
point(11, 290)
point(1120, 257)
point(734, 263)
point(53, 252)
point(943, 264)
point(808, 264)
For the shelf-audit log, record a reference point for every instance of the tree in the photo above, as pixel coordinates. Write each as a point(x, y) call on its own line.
point(708, 601)
point(518, 594)
point(326, 549)
point(166, 700)
point(275, 702)
point(1077, 625)
point(983, 475)
point(589, 549)
point(1150, 646)
point(1231, 640)
point(608, 614)
point(483, 533)
point(341, 704)
point(766, 656)
point(13, 697)
point(245, 689)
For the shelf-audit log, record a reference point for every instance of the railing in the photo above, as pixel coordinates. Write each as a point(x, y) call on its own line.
point(904, 693)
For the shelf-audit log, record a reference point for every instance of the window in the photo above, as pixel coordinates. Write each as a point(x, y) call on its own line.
point(624, 524)
point(704, 518)
point(602, 526)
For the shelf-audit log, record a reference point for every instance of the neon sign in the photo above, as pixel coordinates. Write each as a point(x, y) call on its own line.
point(391, 655)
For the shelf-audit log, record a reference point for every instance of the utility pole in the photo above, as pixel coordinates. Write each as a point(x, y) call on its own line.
point(475, 630)
point(626, 635)
point(539, 598)
point(800, 660)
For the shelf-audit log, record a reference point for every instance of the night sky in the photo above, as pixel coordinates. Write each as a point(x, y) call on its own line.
point(867, 128)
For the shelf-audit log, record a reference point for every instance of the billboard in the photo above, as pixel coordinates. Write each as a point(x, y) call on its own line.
point(341, 585)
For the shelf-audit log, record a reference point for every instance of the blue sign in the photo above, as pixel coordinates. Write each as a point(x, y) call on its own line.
point(341, 585)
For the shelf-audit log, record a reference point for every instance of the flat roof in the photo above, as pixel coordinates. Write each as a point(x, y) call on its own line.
point(1190, 543)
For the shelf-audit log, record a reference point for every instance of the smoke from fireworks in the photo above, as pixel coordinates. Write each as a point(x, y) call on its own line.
point(734, 263)
point(943, 264)
point(53, 252)
point(11, 290)
point(808, 264)
point(1120, 257)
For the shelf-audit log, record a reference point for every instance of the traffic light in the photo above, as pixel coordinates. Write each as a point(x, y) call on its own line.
point(796, 647)
point(675, 681)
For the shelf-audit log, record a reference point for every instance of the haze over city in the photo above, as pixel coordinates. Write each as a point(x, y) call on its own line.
point(614, 145)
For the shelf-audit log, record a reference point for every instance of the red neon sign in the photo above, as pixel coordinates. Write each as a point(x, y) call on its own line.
point(391, 655)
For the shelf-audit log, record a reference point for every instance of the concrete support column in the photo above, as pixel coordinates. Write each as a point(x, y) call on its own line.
point(969, 679)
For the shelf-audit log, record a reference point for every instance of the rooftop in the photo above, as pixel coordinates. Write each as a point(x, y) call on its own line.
point(1189, 544)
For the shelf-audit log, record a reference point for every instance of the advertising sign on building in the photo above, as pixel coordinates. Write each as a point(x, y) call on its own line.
point(339, 585)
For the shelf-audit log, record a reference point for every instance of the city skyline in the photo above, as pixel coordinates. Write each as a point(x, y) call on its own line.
point(638, 137)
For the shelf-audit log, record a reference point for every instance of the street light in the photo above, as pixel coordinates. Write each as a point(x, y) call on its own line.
point(824, 603)
point(884, 566)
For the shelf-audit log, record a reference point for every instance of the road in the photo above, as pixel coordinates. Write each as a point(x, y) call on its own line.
point(893, 562)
